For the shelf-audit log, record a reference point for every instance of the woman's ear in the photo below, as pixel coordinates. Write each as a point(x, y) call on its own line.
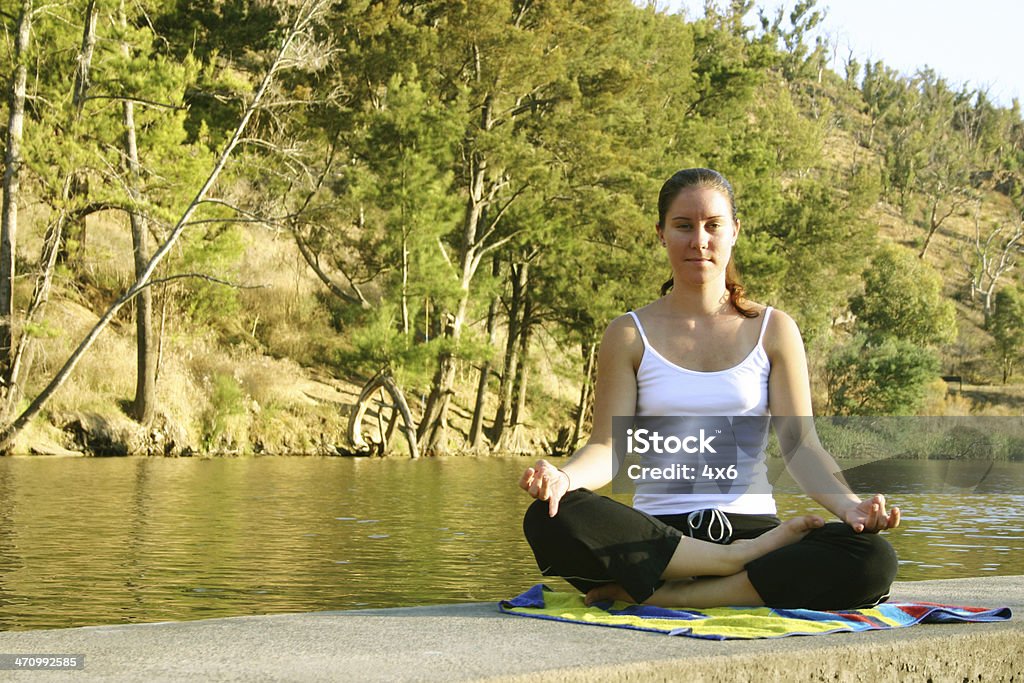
point(661, 234)
point(736, 232)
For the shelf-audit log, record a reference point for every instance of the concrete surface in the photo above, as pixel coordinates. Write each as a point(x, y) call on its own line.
point(476, 642)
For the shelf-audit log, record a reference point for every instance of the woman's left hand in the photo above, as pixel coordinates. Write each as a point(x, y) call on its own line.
point(870, 515)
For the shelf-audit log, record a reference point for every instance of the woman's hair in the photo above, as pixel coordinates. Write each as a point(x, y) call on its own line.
point(705, 177)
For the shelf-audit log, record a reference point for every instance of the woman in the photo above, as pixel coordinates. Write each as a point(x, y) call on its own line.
point(702, 349)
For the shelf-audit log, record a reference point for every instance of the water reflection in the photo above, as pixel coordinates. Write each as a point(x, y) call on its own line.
point(99, 541)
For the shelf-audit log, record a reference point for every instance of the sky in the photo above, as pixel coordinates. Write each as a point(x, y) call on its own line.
point(977, 42)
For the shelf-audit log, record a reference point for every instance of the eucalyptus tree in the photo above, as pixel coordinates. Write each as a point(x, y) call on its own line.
point(993, 255)
point(292, 38)
point(1007, 328)
point(13, 163)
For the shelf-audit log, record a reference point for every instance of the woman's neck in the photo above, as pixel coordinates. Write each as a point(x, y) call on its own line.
point(699, 301)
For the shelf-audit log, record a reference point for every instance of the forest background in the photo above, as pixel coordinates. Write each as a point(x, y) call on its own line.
point(223, 218)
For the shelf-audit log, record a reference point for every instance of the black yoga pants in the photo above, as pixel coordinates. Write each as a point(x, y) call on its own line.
point(594, 540)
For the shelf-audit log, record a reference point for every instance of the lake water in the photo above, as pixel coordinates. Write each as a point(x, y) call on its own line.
point(87, 541)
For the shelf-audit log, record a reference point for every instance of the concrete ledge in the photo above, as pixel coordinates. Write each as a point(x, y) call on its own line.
point(475, 642)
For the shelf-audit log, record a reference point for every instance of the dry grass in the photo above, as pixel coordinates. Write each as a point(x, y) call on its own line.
point(210, 398)
point(284, 317)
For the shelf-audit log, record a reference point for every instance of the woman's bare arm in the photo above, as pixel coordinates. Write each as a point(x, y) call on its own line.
point(813, 468)
point(592, 466)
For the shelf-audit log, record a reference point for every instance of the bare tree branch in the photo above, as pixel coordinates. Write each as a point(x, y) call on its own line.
point(501, 212)
point(444, 254)
point(199, 276)
point(994, 257)
point(494, 245)
point(338, 291)
point(136, 100)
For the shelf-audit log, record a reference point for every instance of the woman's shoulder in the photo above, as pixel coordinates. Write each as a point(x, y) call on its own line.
point(780, 331)
point(622, 336)
point(777, 317)
point(622, 329)
point(759, 310)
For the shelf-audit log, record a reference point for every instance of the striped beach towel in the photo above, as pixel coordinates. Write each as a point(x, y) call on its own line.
point(726, 623)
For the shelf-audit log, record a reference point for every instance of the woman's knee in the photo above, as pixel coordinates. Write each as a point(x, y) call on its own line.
point(871, 551)
point(871, 570)
point(538, 522)
point(834, 567)
point(879, 560)
point(536, 518)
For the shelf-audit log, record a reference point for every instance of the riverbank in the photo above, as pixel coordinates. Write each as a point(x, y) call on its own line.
point(471, 642)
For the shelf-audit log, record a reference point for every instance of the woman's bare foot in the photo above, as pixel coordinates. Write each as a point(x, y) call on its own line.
point(787, 533)
point(610, 592)
point(697, 558)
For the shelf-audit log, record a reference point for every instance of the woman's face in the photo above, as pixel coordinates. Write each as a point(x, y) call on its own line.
point(698, 234)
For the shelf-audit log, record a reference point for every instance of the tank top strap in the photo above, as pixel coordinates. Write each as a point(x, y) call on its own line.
point(764, 324)
point(640, 329)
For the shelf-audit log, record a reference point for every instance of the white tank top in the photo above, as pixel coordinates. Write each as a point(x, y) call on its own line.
point(667, 389)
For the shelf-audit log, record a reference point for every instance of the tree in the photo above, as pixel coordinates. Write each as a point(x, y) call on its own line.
point(585, 243)
point(56, 174)
point(142, 406)
point(928, 153)
point(507, 62)
point(944, 175)
point(888, 377)
point(903, 299)
point(901, 318)
point(883, 90)
point(13, 163)
point(799, 61)
point(518, 291)
point(807, 252)
point(104, 161)
point(1007, 328)
point(992, 257)
point(407, 151)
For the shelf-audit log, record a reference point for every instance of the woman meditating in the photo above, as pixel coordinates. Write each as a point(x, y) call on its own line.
point(703, 350)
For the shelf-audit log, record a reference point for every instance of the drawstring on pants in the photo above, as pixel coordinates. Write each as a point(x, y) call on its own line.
point(719, 527)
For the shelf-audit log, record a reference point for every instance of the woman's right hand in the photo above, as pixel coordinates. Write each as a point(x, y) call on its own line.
point(544, 481)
